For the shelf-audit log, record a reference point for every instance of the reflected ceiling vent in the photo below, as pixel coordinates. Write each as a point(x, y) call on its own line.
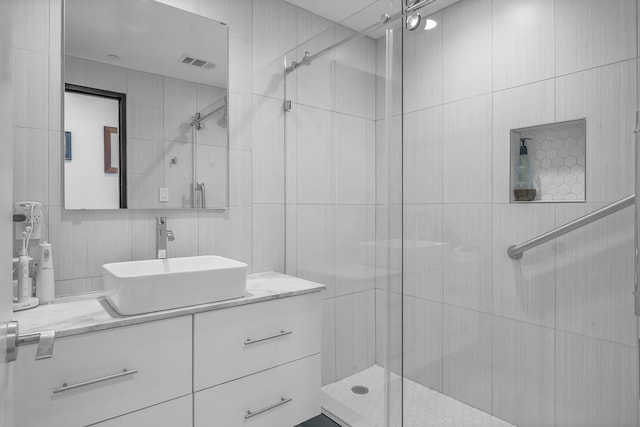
point(197, 62)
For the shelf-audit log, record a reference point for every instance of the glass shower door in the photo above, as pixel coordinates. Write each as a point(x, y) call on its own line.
point(343, 206)
point(549, 339)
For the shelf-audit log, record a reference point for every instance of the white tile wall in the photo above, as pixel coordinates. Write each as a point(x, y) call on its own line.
point(468, 237)
point(355, 336)
point(523, 42)
point(466, 44)
point(592, 33)
point(596, 382)
point(422, 253)
point(422, 156)
point(355, 159)
point(315, 156)
point(524, 289)
point(467, 356)
point(422, 342)
point(595, 268)
point(523, 373)
point(268, 150)
point(423, 68)
point(467, 155)
point(354, 253)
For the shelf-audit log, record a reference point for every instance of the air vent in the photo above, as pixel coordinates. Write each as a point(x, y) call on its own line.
point(197, 62)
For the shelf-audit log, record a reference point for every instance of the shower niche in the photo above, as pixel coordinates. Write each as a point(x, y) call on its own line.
point(556, 162)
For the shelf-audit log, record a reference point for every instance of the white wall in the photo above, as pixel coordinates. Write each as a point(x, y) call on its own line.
point(551, 339)
point(86, 185)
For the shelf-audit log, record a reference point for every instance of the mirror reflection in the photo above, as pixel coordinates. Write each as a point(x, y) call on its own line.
point(165, 146)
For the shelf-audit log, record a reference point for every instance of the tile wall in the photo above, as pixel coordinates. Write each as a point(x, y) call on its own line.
point(331, 188)
point(549, 340)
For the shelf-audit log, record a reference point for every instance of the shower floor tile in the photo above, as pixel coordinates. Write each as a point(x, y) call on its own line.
point(423, 407)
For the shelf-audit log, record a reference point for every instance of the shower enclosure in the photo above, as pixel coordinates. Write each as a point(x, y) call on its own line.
point(402, 142)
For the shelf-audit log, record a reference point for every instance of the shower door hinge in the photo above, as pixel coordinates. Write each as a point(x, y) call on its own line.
point(287, 105)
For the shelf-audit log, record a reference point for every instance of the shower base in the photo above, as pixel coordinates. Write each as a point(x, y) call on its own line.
point(423, 407)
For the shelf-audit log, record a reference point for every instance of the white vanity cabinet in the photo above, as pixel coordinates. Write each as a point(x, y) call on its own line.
point(174, 413)
point(156, 355)
point(258, 365)
point(247, 363)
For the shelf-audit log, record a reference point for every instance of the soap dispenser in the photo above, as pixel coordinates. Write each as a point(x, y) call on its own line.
point(524, 190)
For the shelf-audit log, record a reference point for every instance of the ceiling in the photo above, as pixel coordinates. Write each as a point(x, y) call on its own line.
point(95, 29)
point(360, 14)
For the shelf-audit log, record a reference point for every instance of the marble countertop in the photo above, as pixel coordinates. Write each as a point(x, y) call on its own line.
point(91, 312)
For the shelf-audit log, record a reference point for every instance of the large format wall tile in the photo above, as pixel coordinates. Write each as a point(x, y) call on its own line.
point(315, 244)
point(268, 151)
point(524, 289)
point(422, 157)
point(523, 42)
point(328, 345)
point(523, 373)
point(355, 68)
point(315, 151)
point(268, 238)
point(422, 68)
point(274, 33)
point(467, 356)
point(354, 249)
point(595, 268)
point(30, 89)
point(596, 382)
point(355, 159)
point(422, 342)
point(466, 45)
point(591, 33)
point(467, 151)
point(468, 248)
point(422, 251)
point(356, 337)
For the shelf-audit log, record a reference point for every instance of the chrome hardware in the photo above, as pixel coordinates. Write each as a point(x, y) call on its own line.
point(162, 235)
point(282, 333)
point(636, 131)
point(283, 400)
point(67, 387)
point(418, 5)
point(44, 339)
point(287, 105)
point(413, 21)
point(515, 251)
point(11, 333)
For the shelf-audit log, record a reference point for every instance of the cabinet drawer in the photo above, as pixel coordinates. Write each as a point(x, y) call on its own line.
point(159, 351)
point(239, 341)
point(262, 399)
point(175, 413)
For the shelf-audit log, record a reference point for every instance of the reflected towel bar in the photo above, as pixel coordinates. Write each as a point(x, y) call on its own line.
point(516, 251)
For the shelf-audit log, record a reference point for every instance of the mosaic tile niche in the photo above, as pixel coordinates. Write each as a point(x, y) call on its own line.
point(557, 154)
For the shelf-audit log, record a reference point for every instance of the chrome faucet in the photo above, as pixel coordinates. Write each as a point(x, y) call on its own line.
point(162, 235)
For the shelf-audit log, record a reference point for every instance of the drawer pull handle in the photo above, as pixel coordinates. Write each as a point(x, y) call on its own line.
point(270, 337)
point(67, 387)
point(283, 401)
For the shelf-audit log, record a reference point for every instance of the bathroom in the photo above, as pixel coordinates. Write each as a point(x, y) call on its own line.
point(388, 242)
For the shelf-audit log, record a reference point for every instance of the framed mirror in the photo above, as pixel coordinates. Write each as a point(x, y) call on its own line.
point(145, 113)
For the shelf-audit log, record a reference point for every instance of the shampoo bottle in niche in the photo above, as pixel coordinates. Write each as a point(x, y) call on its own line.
point(524, 190)
point(45, 287)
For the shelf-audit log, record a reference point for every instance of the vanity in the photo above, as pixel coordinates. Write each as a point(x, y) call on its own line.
point(250, 361)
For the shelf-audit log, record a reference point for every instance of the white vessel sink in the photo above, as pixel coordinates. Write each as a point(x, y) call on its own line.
point(138, 287)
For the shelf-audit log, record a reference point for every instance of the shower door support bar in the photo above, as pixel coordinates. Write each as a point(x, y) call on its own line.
point(516, 251)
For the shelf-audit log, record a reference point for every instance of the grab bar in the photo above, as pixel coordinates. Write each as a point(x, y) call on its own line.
point(516, 251)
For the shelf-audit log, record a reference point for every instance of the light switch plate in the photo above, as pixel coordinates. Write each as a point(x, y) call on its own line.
point(164, 194)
